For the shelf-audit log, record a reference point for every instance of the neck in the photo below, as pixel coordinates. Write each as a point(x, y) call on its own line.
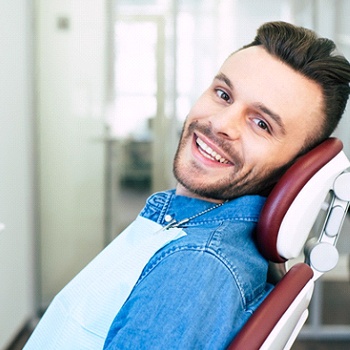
point(183, 191)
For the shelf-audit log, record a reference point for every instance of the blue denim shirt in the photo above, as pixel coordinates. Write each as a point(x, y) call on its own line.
point(198, 291)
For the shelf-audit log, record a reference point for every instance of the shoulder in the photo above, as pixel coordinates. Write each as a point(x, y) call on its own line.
point(225, 251)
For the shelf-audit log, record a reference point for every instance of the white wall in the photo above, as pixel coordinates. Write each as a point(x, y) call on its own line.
point(16, 168)
point(70, 78)
point(341, 27)
point(249, 15)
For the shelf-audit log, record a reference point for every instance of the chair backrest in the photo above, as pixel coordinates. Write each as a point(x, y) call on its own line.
point(283, 230)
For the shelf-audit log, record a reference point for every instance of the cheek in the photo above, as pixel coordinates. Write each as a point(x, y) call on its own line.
point(262, 156)
point(281, 156)
point(272, 150)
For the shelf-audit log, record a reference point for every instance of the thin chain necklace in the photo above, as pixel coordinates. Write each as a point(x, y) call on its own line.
point(174, 223)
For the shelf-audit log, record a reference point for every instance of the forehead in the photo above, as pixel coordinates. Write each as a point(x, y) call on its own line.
point(258, 77)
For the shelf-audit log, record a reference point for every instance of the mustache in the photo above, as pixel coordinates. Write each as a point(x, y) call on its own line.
point(222, 143)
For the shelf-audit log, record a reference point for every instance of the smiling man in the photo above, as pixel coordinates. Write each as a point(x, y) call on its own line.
point(269, 103)
point(187, 274)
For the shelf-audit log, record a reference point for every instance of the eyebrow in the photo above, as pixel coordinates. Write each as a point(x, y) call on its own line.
point(260, 106)
point(225, 79)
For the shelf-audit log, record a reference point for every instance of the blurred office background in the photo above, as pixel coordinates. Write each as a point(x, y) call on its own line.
point(93, 95)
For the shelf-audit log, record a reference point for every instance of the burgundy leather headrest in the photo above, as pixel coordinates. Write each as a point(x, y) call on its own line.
point(285, 191)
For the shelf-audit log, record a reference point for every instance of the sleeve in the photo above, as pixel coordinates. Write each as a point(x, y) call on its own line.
point(189, 300)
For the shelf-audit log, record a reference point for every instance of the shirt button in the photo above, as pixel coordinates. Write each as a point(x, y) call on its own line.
point(168, 218)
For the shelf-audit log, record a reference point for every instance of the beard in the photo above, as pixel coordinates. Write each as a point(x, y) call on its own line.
point(235, 183)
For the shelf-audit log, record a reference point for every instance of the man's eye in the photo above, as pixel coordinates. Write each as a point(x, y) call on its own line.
point(223, 95)
point(261, 124)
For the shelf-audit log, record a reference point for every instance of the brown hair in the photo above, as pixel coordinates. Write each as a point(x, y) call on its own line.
point(314, 58)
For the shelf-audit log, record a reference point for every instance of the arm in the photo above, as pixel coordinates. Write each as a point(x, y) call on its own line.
point(188, 300)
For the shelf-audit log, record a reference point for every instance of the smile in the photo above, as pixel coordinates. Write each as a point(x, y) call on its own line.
point(209, 153)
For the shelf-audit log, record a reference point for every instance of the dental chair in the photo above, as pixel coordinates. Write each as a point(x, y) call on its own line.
point(315, 189)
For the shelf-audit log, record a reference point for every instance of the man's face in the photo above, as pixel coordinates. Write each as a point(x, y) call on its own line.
point(254, 119)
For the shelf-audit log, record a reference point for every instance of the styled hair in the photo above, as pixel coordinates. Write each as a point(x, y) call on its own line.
point(316, 59)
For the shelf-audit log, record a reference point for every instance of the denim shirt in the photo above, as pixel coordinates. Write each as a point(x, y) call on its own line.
point(199, 290)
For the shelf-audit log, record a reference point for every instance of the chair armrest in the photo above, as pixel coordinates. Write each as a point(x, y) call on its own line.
point(262, 322)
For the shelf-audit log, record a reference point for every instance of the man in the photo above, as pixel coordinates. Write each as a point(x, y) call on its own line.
point(270, 102)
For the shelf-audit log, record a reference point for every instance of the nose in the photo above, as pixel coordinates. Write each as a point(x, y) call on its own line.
point(228, 122)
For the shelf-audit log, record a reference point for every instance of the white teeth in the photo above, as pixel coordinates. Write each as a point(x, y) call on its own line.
point(209, 153)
